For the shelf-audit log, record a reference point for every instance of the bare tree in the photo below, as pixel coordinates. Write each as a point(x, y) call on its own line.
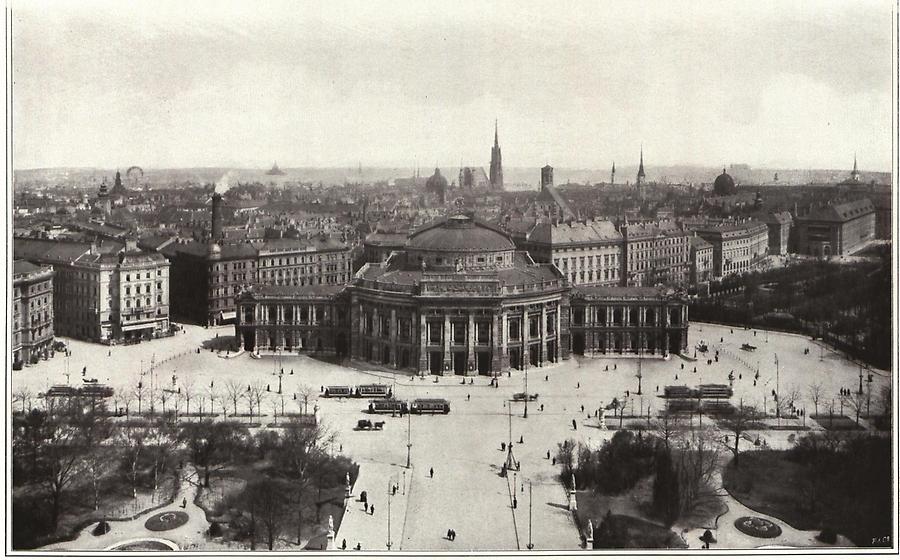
point(59, 462)
point(234, 390)
point(696, 460)
point(786, 400)
point(305, 392)
point(856, 402)
point(187, 389)
point(127, 399)
point(250, 400)
point(815, 393)
point(23, 396)
point(132, 447)
point(744, 418)
point(666, 427)
point(298, 457)
point(161, 441)
point(258, 391)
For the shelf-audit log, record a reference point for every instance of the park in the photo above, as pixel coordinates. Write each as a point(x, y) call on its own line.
point(425, 475)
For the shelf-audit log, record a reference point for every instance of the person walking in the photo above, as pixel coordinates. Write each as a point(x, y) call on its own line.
point(372, 509)
point(449, 534)
point(344, 544)
point(431, 472)
point(574, 424)
point(515, 503)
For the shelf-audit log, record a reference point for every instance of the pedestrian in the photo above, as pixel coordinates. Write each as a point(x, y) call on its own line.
point(548, 454)
point(515, 503)
point(502, 446)
point(574, 425)
point(344, 544)
point(358, 546)
point(322, 389)
point(615, 367)
point(578, 385)
point(372, 509)
point(468, 397)
point(582, 408)
point(431, 472)
point(449, 534)
point(183, 503)
point(676, 377)
point(695, 369)
point(554, 461)
point(740, 376)
point(341, 448)
point(754, 382)
point(542, 407)
point(521, 439)
point(682, 366)
point(546, 378)
point(657, 387)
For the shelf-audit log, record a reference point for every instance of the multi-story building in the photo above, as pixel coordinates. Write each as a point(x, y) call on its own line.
point(587, 253)
point(104, 292)
point(460, 299)
point(701, 261)
point(648, 321)
point(835, 229)
point(655, 253)
point(207, 277)
point(32, 312)
point(737, 247)
point(779, 224)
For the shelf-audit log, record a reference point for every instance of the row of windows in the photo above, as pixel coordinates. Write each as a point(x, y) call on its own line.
point(137, 275)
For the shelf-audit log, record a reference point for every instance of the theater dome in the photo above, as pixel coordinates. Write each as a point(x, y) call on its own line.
point(460, 240)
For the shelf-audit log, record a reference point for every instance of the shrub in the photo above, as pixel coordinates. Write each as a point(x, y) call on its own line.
point(215, 530)
point(101, 529)
point(827, 536)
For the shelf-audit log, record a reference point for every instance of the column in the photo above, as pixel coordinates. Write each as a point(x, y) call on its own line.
point(446, 340)
point(504, 341)
point(542, 329)
point(558, 332)
point(497, 351)
point(393, 329)
point(525, 332)
point(423, 340)
point(470, 346)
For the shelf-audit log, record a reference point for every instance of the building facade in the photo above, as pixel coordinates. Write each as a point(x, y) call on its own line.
point(835, 229)
point(458, 299)
point(646, 321)
point(779, 224)
point(701, 261)
point(655, 253)
point(587, 253)
point(737, 247)
point(32, 313)
point(104, 292)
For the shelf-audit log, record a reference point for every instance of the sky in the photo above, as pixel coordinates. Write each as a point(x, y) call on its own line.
point(800, 84)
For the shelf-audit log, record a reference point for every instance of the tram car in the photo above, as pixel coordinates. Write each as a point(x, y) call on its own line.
point(373, 391)
point(338, 391)
point(430, 406)
point(378, 406)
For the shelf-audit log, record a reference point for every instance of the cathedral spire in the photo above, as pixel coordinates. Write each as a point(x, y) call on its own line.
point(496, 173)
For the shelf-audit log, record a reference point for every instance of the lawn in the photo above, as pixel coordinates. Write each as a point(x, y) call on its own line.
point(854, 505)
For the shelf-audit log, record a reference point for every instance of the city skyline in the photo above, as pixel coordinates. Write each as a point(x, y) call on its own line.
point(389, 85)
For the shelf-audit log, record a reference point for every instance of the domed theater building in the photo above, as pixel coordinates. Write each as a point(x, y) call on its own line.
point(460, 299)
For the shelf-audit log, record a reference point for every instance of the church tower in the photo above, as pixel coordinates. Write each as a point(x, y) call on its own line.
point(612, 175)
point(854, 175)
point(496, 163)
point(639, 184)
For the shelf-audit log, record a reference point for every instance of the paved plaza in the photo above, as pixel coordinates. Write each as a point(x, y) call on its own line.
point(466, 493)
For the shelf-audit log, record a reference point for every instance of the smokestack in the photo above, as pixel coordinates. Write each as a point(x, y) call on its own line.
point(216, 232)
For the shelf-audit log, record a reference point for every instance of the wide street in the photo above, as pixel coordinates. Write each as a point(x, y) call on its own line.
point(466, 493)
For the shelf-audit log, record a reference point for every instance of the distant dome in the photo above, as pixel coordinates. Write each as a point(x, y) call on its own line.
point(437, 182)
point(460, 233)
point(724, 184)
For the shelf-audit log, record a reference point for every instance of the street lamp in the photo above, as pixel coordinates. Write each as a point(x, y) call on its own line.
point(408, 444)
point(530, 542)
point(526, 384)
point(859, 391)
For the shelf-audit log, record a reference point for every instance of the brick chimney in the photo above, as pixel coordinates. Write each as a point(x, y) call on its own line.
point(216, 229)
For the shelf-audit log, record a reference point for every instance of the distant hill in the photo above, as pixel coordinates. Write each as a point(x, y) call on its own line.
point(516, 178)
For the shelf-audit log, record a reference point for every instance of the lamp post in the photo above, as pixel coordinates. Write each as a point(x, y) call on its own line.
point(530, 542)
point(526, 384)
point(389, 543)
point(639, 373)
point(408, 444)
point(859, 391)
point(777, 391)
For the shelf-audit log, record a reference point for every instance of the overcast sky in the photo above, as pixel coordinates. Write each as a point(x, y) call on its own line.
point(189, 84)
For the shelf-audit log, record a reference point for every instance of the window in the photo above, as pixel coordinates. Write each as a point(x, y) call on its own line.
point(514, 329)
point(434, 332)
point(459, 333)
